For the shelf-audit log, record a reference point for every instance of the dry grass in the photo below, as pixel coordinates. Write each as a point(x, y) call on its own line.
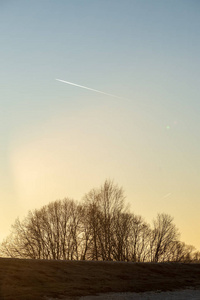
point(37, 279)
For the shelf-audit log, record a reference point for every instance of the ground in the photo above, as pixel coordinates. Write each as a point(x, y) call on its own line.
point(48, 279)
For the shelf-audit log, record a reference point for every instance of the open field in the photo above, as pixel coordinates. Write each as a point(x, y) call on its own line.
point(41, 279)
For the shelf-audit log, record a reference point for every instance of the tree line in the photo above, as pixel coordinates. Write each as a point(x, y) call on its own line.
point(100, 227)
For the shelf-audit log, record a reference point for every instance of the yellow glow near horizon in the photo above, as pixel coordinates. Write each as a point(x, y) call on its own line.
point(65, 164)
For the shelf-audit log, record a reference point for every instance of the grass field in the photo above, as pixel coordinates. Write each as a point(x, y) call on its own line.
point(42, 279)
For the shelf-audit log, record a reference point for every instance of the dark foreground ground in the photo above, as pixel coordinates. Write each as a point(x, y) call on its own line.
point(40, 279)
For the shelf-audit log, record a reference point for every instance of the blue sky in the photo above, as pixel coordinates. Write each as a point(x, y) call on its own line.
point(58, 140)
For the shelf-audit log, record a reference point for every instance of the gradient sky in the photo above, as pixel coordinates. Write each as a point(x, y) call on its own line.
point(58, 140)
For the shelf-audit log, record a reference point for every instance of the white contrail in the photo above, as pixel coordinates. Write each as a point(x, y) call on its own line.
point(166, 196)
point(87, 88)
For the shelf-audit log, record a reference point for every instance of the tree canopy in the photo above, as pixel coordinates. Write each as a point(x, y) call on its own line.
point(100, 227)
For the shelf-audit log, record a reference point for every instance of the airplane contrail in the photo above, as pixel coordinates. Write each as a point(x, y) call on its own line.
point(166, 196)
point(87, 88)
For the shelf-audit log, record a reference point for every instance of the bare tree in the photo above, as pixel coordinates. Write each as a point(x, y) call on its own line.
point(139, 239)
point(120, 236)
point(50, 232)
point(104, 205)
point(100, 228)
point(164, 234)
point(92, 225)
point(180, 252)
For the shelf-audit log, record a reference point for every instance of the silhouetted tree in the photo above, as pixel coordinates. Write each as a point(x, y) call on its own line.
point(163, 235)
point(50, 233)
point(140, 234)
point(103, 208)
point(99, 228)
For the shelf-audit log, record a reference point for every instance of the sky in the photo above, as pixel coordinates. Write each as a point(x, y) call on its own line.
point(59, 140)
